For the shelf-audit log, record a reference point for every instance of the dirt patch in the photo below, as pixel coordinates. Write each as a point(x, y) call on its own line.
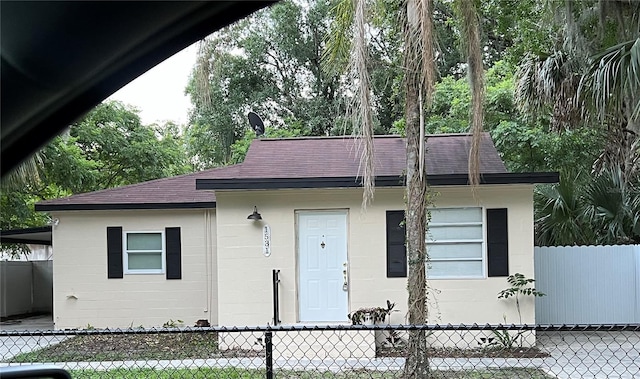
point(156, 346)
point(118, 347)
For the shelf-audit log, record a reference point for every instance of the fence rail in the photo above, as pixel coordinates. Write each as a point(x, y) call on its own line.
point(345, 351)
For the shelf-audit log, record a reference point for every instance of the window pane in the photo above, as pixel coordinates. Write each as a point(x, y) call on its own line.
point(454, 269)
point(455, 215)
point(454, 232)
point(144, 241)
point(455, 250)
point(146, 261)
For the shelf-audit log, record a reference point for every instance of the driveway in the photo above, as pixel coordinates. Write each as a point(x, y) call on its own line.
point(11, 346)
point(598, 355)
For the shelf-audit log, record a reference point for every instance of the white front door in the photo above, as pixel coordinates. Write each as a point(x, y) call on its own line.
point(322, 262)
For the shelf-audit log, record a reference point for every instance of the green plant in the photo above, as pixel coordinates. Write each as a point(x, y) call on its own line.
point(173, 323)
point(505, 339)
point(375, 314)
point(520, 286)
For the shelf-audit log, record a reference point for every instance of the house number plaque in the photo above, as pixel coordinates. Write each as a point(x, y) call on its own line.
point(266, 240)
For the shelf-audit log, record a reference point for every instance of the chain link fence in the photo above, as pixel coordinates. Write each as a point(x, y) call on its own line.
point(453, 351)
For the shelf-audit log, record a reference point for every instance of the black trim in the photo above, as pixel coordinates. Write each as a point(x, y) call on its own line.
point(39, 229)
point(382, 181)
point(173, 254)
point(278, 183)
point(497, 242)
point(26, 235)
point(114, 252)
point(396, 247)
point(106, 207)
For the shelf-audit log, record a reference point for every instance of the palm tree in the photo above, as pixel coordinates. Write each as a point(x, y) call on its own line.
point(419, 80)
point(602, 211)
point(592, 79)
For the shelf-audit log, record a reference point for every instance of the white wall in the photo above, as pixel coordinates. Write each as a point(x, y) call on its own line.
point(245, 290)
point(83, 295)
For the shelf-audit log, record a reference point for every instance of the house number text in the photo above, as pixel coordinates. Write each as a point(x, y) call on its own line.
point(266, 240)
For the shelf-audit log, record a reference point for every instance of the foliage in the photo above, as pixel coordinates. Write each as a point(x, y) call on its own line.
point(111, 148)
point(530, 148)
point(108, 147)
point(173, 323)
point(452, 99)
point(605, 209)
point(589, 77)
point(520, 286)
point(269, 63)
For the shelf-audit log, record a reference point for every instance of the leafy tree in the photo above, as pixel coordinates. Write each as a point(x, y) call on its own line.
point(109, 147)
point(269, 63)
point(530, 148)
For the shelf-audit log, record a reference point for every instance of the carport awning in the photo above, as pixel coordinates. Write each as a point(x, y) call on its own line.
point(36, 236)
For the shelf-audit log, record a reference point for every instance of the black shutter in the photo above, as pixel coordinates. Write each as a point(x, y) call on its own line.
point(114, 252)
point(396, 249)
point(173, 253)
point(497, 242)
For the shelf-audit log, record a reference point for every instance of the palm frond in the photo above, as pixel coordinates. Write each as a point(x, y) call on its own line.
point(335, 56)
point(613, 80)
point(28, 172)
point(363, 115)
point(473, 50)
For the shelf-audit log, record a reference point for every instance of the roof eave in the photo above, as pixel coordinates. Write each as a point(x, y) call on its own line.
point(122, 206)
point(37, 236)
point(381, 181)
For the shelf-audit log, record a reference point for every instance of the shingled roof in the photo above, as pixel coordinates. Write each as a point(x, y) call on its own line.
point(310, 162)
point(174, 192)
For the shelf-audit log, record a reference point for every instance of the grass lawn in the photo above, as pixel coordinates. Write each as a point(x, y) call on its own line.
point(232, 373)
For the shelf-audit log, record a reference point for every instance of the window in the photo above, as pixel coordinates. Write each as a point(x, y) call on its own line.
point(144, 253)
point(455, 243)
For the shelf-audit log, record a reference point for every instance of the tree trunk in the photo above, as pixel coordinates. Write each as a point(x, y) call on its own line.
point(417, 363)
point(419, 77)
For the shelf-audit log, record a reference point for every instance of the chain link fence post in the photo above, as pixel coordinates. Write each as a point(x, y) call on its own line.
point(268, 340)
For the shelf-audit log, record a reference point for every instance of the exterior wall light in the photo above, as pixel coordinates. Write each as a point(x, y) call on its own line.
point(255, 216)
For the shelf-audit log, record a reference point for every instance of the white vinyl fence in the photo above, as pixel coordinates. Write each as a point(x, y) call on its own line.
point(588, 284)
point(26, 287)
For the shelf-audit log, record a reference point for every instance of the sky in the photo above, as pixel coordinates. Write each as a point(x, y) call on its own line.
point(159, 93)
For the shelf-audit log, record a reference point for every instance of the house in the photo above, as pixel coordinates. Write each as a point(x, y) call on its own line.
point(184, 247)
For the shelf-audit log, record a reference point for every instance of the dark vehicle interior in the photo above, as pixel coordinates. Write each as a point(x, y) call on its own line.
point(60, 59)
